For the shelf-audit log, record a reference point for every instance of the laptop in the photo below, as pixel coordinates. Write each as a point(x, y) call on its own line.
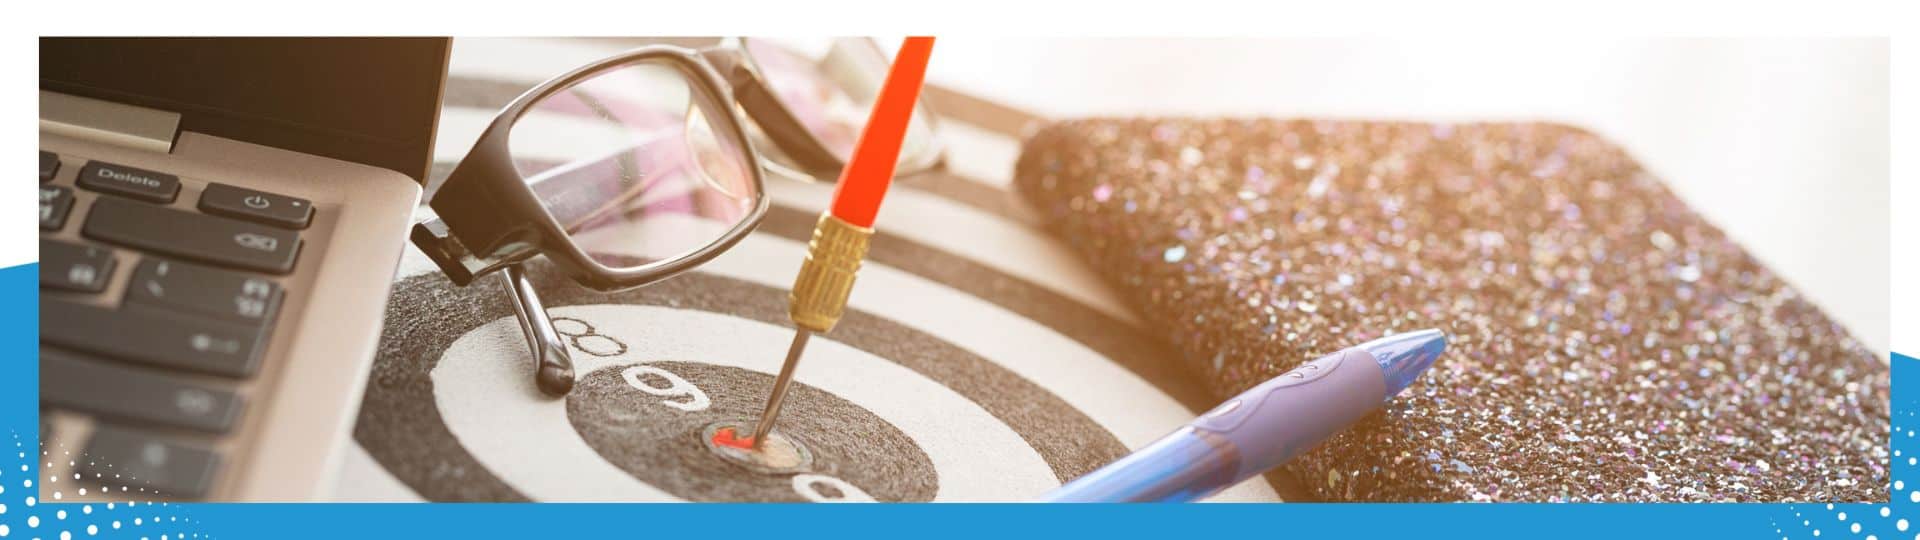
point(220, 219)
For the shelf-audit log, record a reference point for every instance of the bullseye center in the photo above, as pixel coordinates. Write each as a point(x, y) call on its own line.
point(733, 442)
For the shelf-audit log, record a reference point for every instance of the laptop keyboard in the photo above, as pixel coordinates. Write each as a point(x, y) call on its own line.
point(159, 371)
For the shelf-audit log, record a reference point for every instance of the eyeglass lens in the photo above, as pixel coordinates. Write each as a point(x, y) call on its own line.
point(631, 165)
point(832, 95)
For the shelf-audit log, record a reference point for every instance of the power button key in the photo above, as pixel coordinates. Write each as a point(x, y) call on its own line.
point(256, 206)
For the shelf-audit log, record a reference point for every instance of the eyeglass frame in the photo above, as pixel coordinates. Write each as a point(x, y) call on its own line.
point(486, 181)
point(726, 70)
point(490, 218)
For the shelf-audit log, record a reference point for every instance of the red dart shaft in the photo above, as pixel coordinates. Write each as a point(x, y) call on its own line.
point(870, 170)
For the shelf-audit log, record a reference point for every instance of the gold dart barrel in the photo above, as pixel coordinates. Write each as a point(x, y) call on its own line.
point(826, 278)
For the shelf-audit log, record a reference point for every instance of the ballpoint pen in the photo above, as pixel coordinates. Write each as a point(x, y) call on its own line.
point(1262, 427)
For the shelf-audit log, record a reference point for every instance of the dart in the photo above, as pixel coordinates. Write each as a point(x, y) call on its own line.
point(840, 237)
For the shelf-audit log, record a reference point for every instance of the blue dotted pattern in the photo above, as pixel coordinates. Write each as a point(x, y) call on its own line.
point(1897, 518)
point(33, 504)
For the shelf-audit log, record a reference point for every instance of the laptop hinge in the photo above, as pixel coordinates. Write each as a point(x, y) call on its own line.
point(108, 122)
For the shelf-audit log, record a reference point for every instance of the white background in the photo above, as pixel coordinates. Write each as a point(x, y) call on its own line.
point(1783, 143)
point(1523, 29)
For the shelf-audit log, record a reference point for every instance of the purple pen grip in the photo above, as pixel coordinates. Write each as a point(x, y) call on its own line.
point(1286, 415)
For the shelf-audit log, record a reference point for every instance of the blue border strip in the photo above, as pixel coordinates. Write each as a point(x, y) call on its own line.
point(20, 372)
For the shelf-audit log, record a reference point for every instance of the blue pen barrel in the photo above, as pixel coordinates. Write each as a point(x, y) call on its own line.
point(1244, 436)
point(1294, 412)
point(1263, 426)
point(1181, 466)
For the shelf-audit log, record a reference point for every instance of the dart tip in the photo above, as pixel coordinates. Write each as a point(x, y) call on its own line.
point(780, 384)
point(726, 436)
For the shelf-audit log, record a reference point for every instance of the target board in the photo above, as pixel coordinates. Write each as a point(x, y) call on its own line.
point(939, 384)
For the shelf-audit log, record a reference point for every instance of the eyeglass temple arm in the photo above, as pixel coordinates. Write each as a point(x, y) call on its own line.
point(455, 260)
point(781, 127)
point(553, 367)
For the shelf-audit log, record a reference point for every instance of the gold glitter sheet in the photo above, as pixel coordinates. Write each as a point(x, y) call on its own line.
point(1606, 343)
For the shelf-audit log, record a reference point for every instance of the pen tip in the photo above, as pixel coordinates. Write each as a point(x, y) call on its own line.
point(1404, 356)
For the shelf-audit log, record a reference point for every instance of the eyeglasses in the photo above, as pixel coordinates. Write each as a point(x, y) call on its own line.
point(648, 149)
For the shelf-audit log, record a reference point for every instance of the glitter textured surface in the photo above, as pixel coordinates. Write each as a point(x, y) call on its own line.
point(1605, 342)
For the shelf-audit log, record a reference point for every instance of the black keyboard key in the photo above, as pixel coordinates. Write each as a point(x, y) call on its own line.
point(154, 337)
point(75, 381)
point(256, 206)
point(73, 267)
point(172, 468)
point(49, 165)
point(55, 203)
point(206, 291)
point(129, 182)
point(189, 235)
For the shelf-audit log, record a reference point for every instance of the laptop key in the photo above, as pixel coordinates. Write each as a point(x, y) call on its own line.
point(75, 381)
point(49, 165)
point(55, 203)
point(256, 206)
point(188, 235)
point(206, 291)
point(73, 267)
point(129, 182)
point(172, 468)
point(153, 337)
